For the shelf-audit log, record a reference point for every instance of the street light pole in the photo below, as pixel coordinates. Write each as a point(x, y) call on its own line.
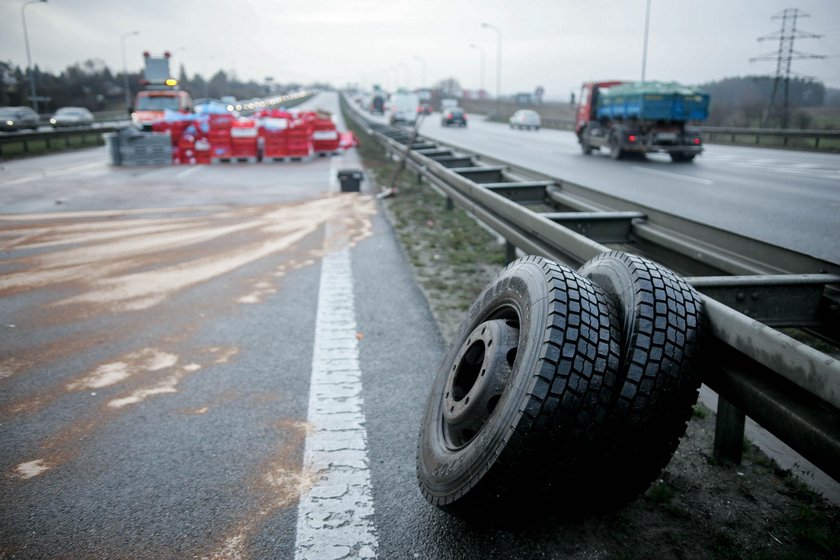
point(34, 95)
point(498, 61)
point(125, 68)
point(481, 52)
point(644, 51)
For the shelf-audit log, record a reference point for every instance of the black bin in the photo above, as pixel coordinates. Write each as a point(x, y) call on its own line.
point(350, 179)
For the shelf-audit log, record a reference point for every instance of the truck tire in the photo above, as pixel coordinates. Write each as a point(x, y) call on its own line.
point(662, 324)
point(515, 404)
point(615, 147)
point(584, 142)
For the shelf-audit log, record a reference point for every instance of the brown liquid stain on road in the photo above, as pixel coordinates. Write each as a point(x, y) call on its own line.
point(82, 268)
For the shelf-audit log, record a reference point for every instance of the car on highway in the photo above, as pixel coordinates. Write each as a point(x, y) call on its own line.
point(425, 108)
point(525, 118)
point(18, 118)
point(71, 116)
point(453, 116)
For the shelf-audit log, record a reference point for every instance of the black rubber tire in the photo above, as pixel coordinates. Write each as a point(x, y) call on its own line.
point(544, 405)
point(662, 327)
point(615, 147)
point(584, 144)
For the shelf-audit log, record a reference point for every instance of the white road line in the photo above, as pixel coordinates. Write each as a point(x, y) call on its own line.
point(52, 173)
point(335, 517)
point(674, 176)
point(186, 172)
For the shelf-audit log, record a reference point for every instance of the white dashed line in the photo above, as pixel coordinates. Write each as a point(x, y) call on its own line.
point(674, 176)
point(185, 172)
point(335, 517)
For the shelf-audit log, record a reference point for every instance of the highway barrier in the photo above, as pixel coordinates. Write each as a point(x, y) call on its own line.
point(773, 314)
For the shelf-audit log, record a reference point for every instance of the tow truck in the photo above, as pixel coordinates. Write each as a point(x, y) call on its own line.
point(160, 93)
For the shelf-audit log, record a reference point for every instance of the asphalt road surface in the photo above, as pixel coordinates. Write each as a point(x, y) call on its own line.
point(214, 362)
point(786, 198)
point(162, 332)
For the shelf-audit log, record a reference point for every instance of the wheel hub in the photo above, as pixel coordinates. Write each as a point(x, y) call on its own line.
point(478, 379)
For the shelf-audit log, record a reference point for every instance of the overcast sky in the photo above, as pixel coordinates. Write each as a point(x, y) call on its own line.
point(556, 44)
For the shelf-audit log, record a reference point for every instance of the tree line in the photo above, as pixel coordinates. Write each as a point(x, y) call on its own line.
point(93, 85)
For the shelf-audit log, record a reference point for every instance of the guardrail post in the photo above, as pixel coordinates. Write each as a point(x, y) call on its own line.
point(450, 204)
point(510, 252)
point(729, 433)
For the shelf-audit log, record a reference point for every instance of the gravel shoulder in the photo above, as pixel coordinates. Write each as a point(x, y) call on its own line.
point(697, 508)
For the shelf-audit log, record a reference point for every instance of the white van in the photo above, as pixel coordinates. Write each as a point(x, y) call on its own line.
point(403, 108)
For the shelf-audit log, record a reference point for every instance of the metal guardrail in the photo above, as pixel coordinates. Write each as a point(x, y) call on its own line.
point(749, 288)
point(717, 132)
point(739, 135)
point(49, 138)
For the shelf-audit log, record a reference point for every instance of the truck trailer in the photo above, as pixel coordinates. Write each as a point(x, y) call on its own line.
point(641, 117)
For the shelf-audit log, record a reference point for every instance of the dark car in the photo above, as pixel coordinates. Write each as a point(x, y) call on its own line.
point(72, 116)
point(18, 118)
point(453, 116)
point(425, 108)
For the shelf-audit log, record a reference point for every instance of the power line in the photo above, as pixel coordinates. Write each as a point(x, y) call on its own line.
point(785, 55)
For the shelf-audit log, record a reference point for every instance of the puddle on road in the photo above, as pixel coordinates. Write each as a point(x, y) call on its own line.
point(84, 266)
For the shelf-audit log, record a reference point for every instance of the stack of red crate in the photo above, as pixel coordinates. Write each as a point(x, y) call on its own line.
point(185, 151)
point(299, 139)
point(221, 145)
point(243, 136)
point(273, 126)
point(325, 138)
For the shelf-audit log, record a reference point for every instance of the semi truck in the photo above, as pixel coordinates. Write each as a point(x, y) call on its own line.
point(641, 117)
point(160, 93)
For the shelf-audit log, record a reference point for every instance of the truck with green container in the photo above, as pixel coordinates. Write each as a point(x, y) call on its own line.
point(641, 117)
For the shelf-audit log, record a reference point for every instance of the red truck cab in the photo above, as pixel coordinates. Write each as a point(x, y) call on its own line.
point(588, 101)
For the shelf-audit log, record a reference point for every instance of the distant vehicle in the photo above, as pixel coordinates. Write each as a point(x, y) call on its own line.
point(641, 117)
point(403, 108)
point(425, 108)
point(18, 118)
point(71, 116)
point(525, 118)
point(448, 103)
point(453, 116)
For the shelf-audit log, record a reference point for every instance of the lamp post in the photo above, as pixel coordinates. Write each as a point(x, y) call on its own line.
point(498, 61)
point(423, 62)
point(481, 51)
point(644, 49)
point(125, 68)
point(34, 95)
